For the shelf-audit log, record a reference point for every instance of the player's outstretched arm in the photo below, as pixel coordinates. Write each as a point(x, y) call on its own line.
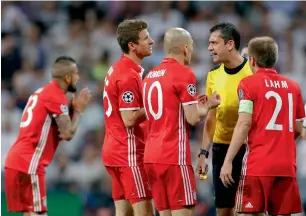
point(192, 113)
point(195, 113)
point(209, 126)
point(133, 117)
point(68, 127)
point(208, 134)
point(240, 134)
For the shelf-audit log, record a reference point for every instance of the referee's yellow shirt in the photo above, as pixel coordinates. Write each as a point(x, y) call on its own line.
point(225, 82)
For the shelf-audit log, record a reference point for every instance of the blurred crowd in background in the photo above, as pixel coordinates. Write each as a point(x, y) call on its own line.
point(33, 34)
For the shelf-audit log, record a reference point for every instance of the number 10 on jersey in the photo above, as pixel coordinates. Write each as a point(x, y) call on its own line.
point(148, 98)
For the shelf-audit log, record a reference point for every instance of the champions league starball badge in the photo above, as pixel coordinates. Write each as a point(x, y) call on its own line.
point(64, 109)
point(191, 89)
point(128, 97)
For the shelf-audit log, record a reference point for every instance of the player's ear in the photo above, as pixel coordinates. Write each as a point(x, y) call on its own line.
point(185, 50)
point(131, 46)
point(253, 62)
point(230, 45)
point(67, 78)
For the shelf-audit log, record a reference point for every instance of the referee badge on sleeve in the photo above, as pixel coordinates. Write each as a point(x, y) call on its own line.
point(191, 89)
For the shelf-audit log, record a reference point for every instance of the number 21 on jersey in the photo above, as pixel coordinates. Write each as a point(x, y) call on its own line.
point(148, 98)
point(279, 105)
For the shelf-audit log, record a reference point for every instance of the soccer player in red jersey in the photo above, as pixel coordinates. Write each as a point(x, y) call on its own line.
point(271, 112)
point(304, 127)
point(123, 146)
point(45, 121)
point(171, 104)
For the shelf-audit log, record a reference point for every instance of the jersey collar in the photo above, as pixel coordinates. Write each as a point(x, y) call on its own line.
point(169, 60)
point(56, 85)
point(132, 64)
point(266, 70)
point(53, 82)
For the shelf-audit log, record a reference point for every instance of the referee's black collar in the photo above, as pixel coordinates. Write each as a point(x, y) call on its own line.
point(235, 70)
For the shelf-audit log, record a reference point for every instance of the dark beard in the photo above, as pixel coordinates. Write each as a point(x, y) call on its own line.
point(71, 88)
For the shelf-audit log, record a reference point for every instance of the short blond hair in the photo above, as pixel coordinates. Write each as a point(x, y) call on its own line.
point(264, 50)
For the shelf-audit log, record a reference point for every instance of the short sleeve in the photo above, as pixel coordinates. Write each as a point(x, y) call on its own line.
point(300, 112)
point(246, 101)
point(57, 106)
point(209, 85)
point(185, 86)
point(130, 93)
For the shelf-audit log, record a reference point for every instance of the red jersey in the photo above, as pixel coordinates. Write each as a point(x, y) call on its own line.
point(38, 136)
point(277, 104)
point(122, 91)
point(166, 89)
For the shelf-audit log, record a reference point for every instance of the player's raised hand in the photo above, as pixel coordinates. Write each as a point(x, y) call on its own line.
point(80, 101)
point(202, 168)
point(202, 98)
point(214, 100)
point(226, 174)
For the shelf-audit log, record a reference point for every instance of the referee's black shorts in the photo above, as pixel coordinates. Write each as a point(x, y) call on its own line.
point(225, 197)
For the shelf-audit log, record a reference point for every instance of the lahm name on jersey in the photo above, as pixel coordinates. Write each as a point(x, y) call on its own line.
point(276, 84)
point(159, 73)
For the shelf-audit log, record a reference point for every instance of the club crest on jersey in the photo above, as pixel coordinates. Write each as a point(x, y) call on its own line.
point(241, 94)
point(64, 109)
point(128, 97)
point(191, 89)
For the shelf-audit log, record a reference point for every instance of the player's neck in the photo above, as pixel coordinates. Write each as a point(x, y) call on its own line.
point(134, 58)
point(62, 85)
point(178, 58)
point(234, 61)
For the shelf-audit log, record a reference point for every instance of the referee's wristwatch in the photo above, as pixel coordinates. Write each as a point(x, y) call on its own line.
point(204, 152)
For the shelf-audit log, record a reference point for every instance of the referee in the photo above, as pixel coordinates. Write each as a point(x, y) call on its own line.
point(224, 78)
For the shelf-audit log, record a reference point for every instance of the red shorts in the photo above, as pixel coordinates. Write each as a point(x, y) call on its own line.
point(24, 192)
point(130, 183)
point(277, 195)
point(173, 186)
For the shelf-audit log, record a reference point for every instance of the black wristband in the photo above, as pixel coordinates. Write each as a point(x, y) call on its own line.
point(204, 152)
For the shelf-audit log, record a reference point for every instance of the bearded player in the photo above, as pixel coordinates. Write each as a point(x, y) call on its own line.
point(271, 113)
point(123, 147)
point(45, 121)
point(170, 101)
